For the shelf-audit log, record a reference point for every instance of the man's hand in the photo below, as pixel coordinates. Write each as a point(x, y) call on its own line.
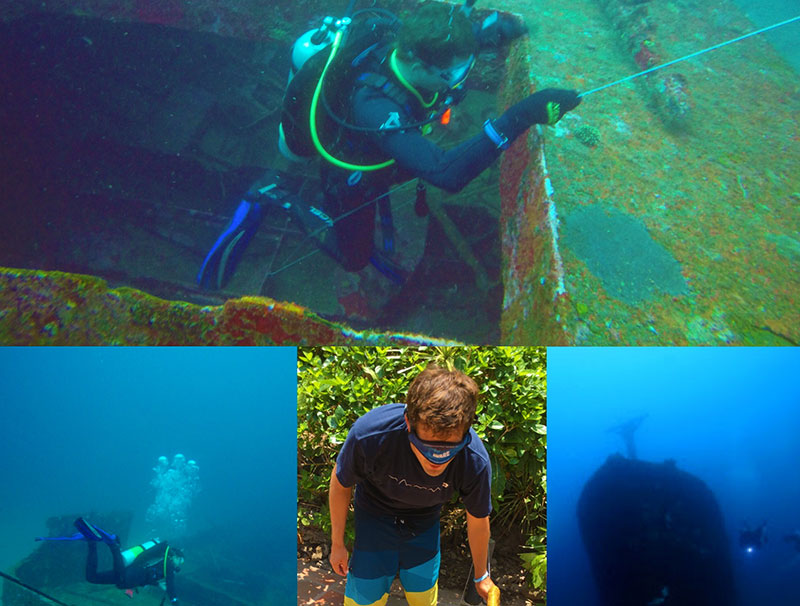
point(338, 559)
point(483, 588)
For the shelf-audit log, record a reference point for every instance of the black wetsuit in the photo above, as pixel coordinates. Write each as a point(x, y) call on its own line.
point(414, 155)
point(146, 569)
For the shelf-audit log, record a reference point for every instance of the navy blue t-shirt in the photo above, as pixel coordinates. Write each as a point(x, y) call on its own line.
point(377, 459)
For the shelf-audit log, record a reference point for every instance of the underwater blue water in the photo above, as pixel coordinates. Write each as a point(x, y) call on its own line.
point(82, 428)
point(728, 416)
point(784, 39)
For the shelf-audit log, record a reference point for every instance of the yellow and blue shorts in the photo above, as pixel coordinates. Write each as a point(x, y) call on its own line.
point(386, 546)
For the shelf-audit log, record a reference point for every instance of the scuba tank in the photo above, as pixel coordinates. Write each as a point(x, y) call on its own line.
point(309, 44)
point(129, 555)
point(293, 129)
point(315, 103)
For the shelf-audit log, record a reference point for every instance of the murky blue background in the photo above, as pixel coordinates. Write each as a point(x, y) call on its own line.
point(728, 416)
point(82, 428)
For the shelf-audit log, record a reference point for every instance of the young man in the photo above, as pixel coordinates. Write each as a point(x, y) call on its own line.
point(405, 462)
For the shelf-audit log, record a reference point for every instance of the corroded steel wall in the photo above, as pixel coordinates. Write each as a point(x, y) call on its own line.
point(533, 280)
point(57, 308)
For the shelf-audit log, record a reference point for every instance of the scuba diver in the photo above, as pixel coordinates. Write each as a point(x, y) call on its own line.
point(794, 539)
point(364, 91)
point(752, 539)
point(626, 431)
point(154, 562)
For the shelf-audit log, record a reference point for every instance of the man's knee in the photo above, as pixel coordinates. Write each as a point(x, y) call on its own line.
point(421, 582)
point(367, 592)
point(381, 602)
point(423, 598)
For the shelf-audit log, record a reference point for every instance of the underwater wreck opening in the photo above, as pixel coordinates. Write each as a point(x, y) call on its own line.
point(131, 140)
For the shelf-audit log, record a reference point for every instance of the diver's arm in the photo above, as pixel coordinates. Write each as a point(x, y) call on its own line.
point(339, 502)
point(453, 169)
point(450, 170)
point(170, 580)
point(478, 533)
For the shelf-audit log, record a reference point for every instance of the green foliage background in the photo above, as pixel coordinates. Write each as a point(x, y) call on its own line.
point(336, 385)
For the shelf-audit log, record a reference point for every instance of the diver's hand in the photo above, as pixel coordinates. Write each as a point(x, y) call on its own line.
point(338, 559)
point(483, 588)
point(498, 29)
point(546, 106)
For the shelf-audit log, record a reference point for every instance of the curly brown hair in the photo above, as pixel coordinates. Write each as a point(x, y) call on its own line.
point(442, 400)
point(436, 33)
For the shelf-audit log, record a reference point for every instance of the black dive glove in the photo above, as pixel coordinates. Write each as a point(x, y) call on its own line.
point(498, 29)
point(546, 106)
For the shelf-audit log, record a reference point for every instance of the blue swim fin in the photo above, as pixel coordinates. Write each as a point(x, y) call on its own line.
point(388, 268)
point(220, 262)
point(93, 533)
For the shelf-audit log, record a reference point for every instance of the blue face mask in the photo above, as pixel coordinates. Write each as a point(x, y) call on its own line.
point(438, 452)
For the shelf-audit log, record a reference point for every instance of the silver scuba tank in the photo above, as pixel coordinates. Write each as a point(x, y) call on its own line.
point(305, 47)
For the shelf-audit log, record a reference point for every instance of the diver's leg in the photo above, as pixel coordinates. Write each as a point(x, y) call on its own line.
point(350, 204)
point(108, 577)
point(119, 562)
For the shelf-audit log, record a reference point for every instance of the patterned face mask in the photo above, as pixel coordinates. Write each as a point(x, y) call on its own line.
point(438, 452)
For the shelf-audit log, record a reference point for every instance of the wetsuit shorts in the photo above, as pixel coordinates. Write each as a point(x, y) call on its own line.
point(386, 545)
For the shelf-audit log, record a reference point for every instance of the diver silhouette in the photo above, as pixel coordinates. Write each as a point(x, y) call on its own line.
point(627, 430)
point(794, 539)
point(752, 539)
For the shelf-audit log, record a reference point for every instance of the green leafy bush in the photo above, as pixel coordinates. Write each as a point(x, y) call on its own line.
point(336, 385)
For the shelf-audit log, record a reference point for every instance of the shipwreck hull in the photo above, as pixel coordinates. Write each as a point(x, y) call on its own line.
point(653, 532)
point(56, 308)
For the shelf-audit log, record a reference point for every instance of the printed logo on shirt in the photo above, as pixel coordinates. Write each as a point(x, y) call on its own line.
point(404, 482)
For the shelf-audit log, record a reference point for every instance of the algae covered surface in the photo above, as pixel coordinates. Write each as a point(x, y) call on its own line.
point(717, 197)
point(617, 248)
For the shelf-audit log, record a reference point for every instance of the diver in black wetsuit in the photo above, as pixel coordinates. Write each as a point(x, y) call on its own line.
point(752, 539)
point(794, 539)
point(152, 563)
point(385, 95)
point(401, 83)
point(627, 431)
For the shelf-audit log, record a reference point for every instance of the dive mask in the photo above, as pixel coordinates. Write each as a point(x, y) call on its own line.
point(455, 74)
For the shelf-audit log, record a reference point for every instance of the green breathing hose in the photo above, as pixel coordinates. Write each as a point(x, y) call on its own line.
point(313, 119)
